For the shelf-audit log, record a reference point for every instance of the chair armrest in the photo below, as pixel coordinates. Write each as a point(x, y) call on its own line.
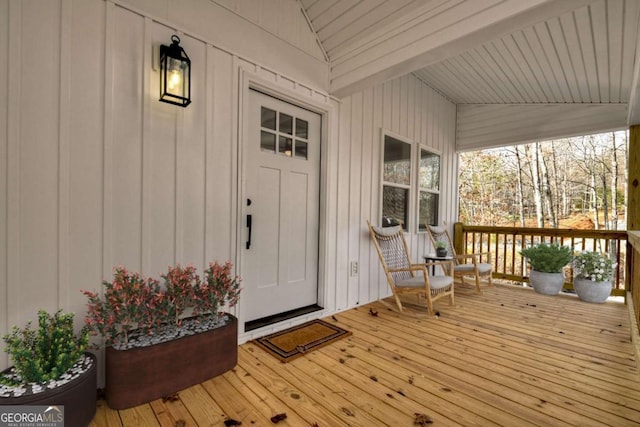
point(418, 267)
point(412, 267)
point(447, 266)
point(434, 263)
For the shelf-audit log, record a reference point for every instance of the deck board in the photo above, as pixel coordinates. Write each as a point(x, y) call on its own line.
point(505, 357)
point(202, 408)
point(487, 368)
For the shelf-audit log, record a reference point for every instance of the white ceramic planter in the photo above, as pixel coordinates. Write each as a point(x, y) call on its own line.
point(591, 291)
point(546, 283)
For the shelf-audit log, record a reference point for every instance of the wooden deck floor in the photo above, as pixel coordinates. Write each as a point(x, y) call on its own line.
point(507, 357)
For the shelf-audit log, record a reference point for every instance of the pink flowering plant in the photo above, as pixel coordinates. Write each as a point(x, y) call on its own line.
point(219, 287)
point(128, 304)
point(180, 284)
point(132, 306)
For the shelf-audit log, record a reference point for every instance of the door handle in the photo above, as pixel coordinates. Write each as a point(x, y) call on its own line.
point(249, 221)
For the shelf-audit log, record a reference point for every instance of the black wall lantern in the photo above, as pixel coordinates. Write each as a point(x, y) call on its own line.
point(175, 74)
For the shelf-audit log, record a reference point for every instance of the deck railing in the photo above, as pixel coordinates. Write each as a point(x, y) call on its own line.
point(505, 244)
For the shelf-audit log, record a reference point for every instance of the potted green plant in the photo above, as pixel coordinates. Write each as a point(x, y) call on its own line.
point(441, 248)
point(51, 368)
point(162, 339)
point(547, 261)
point(593, 274)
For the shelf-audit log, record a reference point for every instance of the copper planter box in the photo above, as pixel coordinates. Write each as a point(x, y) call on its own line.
point(78, 398)
point(140, 375)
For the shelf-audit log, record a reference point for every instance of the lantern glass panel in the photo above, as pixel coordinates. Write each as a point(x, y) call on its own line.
point(175, 77)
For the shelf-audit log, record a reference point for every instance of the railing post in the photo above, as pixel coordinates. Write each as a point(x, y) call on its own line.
point(458, 238)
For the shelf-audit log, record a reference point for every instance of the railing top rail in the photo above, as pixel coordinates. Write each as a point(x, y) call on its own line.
point(554, 232)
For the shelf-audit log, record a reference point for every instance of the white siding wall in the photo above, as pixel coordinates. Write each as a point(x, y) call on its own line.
point(273, 33)
point(95, 172)
point(409, 108)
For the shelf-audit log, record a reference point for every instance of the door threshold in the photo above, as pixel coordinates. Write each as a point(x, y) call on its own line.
point(275, 318)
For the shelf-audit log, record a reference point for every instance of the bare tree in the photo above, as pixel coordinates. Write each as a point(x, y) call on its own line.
point(593, 199)
point(555, 190)
point(626, 173)
point(553, 180)
point(532, 151)
point(520, 189)
point(564, 186)
point(545, 188)
point(614, 183)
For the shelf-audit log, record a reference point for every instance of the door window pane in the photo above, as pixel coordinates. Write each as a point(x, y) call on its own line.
point(268, 141)
point(286, 124)
point(285, 146)
point(397, 161)
point(302, 128)
point(428, 210)
point(301, 149)
point(429, 170)
point(394, 206)
point(268, 118)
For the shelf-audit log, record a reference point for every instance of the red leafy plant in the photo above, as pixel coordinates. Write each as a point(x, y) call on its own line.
point(219, 286)
point(179, 284)
point(132, 305)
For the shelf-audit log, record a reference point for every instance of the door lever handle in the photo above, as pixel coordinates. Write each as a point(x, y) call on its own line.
point(249, 221)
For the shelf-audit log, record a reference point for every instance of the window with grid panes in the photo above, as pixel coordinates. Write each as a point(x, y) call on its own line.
point(428, 189)
point(283, 134)
point(396, 187)
point(402, 190)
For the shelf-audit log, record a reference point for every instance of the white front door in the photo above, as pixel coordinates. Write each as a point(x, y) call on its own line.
point(280, 207)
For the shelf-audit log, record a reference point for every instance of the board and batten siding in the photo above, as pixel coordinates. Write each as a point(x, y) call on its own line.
point(406, 107)
point(95, 172)
point(273, 33)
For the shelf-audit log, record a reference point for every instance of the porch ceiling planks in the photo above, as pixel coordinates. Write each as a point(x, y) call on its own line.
point(424, 35)
point(493, 125)
point(504, 357)
point(487, 51)
point(581, 56)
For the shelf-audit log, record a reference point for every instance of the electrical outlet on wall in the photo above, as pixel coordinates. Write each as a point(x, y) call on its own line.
point(353, 267)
